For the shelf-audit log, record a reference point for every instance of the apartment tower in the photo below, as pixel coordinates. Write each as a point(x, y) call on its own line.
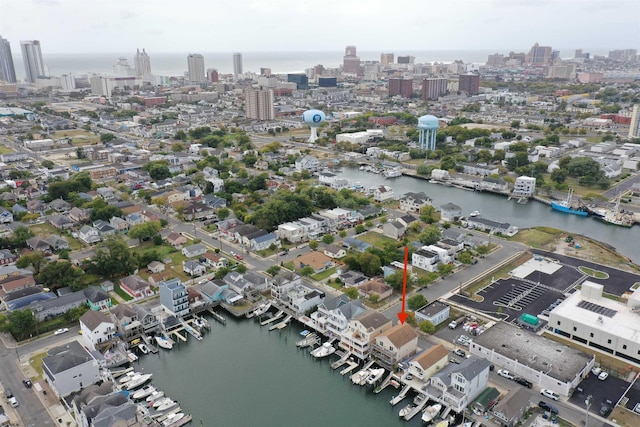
point(195, 63)
point(259, 104)
point(7, 70)
point(32, 57)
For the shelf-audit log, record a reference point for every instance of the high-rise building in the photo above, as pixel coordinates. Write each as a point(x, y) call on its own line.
point(259, 104)
point(634, 127)
point(318, 70)
point(122, 68)
point(351, 62)
point(265, 71)
point(32, 57)
point(301, 80)
point(469, 84)
point(237, 63)
point(401, 87)
point(195, 63)
point(540, 55)
point(386, 59)
point(406, 59)
point(7, 70)
point(67, 82)
point(495, 60)
point(142, 63)
point(433, 88)
point(327, 82)
point(212, 75)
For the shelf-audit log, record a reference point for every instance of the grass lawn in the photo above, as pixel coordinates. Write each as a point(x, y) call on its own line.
point(122, 294)
point(90, 280)
point(324, 274)
point(290, 266)
point(537, 237)
point(5, 150)
point(45, 230)
point(78, 137)
point(593, 273)
point(36, 363)
point(375, 239)
point(336, 286)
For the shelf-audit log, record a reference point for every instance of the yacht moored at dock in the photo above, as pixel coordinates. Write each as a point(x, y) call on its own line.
point(431, 412)
point(143, 348)
point(138, 381)
point(163, 342)
point(375, 375)
point(143, 392)
point(404, 411)
point(324, 350)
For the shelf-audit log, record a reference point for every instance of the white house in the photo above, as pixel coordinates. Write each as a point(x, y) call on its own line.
point(194, 250)
point(359, 336)
point(457, 385)
point(69, 368)
point(193, 268)
point(450, 212)
point(435, 312)
point(97, 328)
point(425, 260)
point(525, 186)
point(428, 362)
point(382, 193)
point(333, 315)
point(414, 202)
point(89, 235)
point(308, 163)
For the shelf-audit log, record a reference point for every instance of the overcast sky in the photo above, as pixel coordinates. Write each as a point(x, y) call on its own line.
point(96, 26)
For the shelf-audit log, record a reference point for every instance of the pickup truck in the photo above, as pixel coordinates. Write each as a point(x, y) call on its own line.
point(455, 323)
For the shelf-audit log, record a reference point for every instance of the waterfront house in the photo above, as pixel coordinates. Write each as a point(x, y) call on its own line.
point(316, 260)
point(136, 287)
point(308, 163)
point(282, 282)
point(485, 401)
point(492, 227)
point(301, 299)
point(61, 222)
point(335, 252)
point(97, 328)
point(376, 287)
point(176, 239)
point(457, 385)
point(213, 290)
point(525, 186)
point(382, 193)
point(362, 331)
point(395, 345)
point(214, 260)
point(97, 298)
point(333, 315)
point(193, 268)
point(125, 319)
point(194, 250)
point(435, 312)
point(69, 367)
point(428, 362)
point(7, 257)
point(494, 184)
point(414, 202)
point(511, 408)
point(89, 235)
point(450, 212)
point(174, 298)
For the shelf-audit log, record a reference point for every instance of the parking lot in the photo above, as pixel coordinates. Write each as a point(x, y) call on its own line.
point(612, 388)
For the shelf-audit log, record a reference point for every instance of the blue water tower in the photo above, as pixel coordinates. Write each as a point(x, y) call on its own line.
point(428, 128)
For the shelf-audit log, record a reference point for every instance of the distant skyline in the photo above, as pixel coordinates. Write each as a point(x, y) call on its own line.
point(163, 26)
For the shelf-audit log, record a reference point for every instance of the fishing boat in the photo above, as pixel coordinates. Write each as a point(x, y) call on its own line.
point(128, 377)
point(614, 216)
point(443, 423)
point(305, 332)
point(167, 404)
point(138, 381)
point(157, 403)
point(431, 412)
point(261, 309)
point(172, 419)
point(375, 375)
point(163, 342)
point(565, 206)
point(404, 411)
point(308, 340)
point(358, 377)
point(419, 399)
point(143, 348)
point(155, 396)
point(324, 350)
point(143, 392)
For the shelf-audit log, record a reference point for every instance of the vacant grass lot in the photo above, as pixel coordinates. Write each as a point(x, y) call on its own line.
point(78, 137)
point(375, 238)
point(5, 150)
point(537, 237)
point(45, 230)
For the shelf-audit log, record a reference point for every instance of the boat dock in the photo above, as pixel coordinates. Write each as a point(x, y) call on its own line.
point(178, 335)
point(366, 367)
point(278, 315)
point(120, 372)
point(352, 365)
point(309, 340)
point(415, 411)
point(282, 324)
point(384, 384)
point(344, 359)
point(403, 393)
point(218, 317)
point(191, 331)
point(152, 348)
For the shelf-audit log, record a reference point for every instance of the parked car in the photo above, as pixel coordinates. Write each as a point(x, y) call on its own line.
point(61, 331)
point(523, 382)
point(454, 360)
point(603, 375)
point(506, 374)
point(596, 371)
point(548, 407)
point(550, 394)
point(27, 382)
point(463, 340)
point(14, 402)
point(606, 408)
point(239, 257)
point(460, 353)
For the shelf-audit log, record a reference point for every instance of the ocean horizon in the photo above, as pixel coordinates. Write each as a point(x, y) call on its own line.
point(280, 62)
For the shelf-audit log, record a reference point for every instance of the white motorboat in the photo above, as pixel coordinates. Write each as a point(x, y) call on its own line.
point(167, 404)
point(324, 350)
point(157, 403)
point(375, 375)
point(163, 342)
point(138, 381)
point(143, 348)
point(474, 214)
point(405, 411)
point(431, 412)
point(172, 419)
point(359, 376)
point(262, 309)
point(155, 396)
point(443, 423)
point(143, 392)
point(128, 377)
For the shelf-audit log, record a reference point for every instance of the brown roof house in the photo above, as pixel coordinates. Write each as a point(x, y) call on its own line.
point(395, 345)
point(136, 287)
point(316, 260)
point(377, 287)
point(430, 361)
point(176, 239)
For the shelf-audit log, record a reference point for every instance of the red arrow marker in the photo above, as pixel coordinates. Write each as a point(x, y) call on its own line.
point(403, 315)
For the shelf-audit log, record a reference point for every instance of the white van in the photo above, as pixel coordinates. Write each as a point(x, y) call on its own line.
point(14, 402)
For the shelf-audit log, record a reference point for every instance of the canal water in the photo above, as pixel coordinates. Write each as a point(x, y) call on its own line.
point(498, 208)
point(241, 374)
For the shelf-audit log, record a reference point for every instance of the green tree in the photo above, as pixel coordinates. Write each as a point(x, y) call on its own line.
point(20, 236)
point(144, 231)
point(222, 272)
point(445, 269)
point(180, 135)
point(427, 327)
point(74, 314)
point(351, 292)
point(430, 235)
point(369, 264)
point(101, 210)
point(273, 270)
point(416, 301)
point(22, 323)
point(157, 170)
point(328, 239)
point(465, 257)
point(559, 176)
point(48, 164)
point(57, 274)
point(360, 228)
point(107, 137)
point(34, 259)
point(395, 280)
point(313, 245)
point(307, 271)
point(177, 147)
point(113, 258)
point(342, 234)
point(482, 250)
point(428, 214)
point(241, 268)
point(411, 318)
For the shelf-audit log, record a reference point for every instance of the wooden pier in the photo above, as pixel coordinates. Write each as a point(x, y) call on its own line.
point(282, 324)
point(273, 319)
point(416, 410)
point(343, 360)
point(147, 341)
point(351, 367)
point(403, 393)
point(178, 335)
point(218, 317)
point(384, 384)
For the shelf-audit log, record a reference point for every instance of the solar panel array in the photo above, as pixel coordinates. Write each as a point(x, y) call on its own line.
point(597, 308)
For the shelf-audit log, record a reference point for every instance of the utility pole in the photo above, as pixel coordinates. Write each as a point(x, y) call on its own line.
point(588, 402)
